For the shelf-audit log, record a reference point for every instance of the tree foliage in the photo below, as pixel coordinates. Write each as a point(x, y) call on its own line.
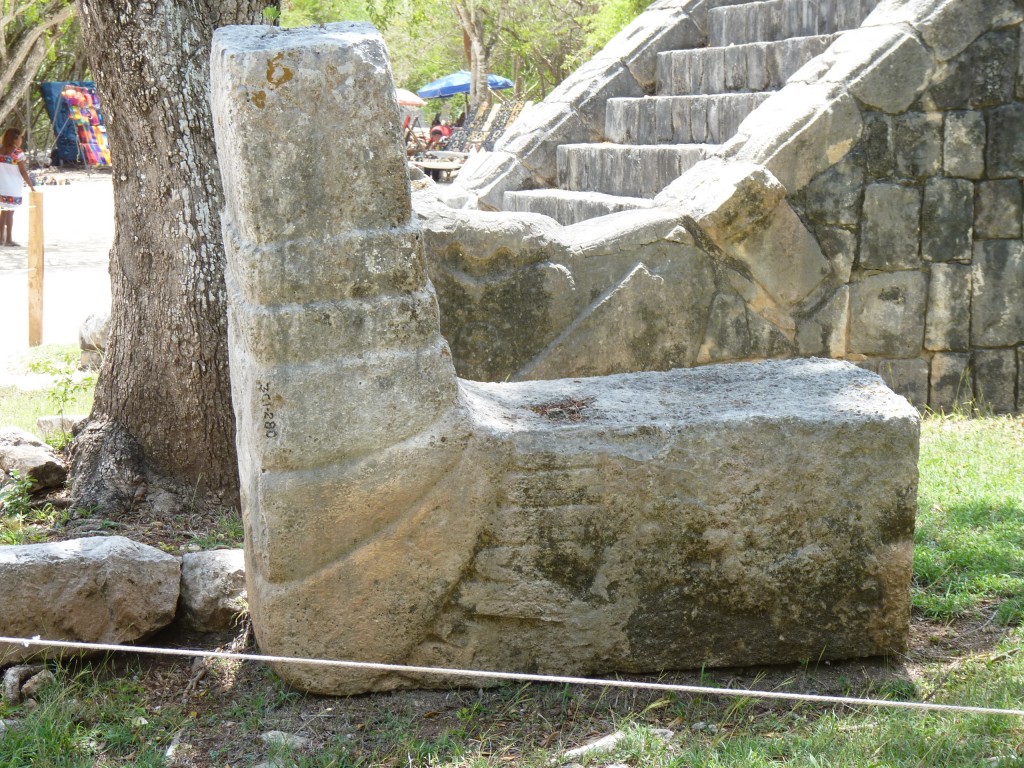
point(36, 38)
point(536, 43)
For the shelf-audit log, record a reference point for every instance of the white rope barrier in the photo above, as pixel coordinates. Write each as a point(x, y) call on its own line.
point(516, 676)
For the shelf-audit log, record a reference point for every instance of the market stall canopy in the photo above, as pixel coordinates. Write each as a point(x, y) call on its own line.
point(458, 82)
point(408, 98)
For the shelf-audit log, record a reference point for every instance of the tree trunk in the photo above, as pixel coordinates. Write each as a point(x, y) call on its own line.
point(471, 20)
point(162, 416)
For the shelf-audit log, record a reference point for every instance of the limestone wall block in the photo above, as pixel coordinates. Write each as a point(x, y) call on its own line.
point(824, 332)
point(963, 148)
point(835, 196)
point(1005, 150)
point(918, 144)
point(949, 308)
point(885, 67)
point(653, 319)
point(998, 293)
point(783, 257)
point(887, 313)
point(998, 210)
point(799, 132)
point(951, 385)
point(106, 589)
point(840, 248)
point(907, 377)
point(948, 219)
point(727, 200)
point(891, 227)
point(212, 595)
point(995, 378)
point(980, 77)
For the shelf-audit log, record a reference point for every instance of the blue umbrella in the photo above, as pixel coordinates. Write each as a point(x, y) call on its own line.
point(458, 82)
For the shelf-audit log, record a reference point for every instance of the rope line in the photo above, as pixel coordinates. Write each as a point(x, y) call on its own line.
point(517, 676)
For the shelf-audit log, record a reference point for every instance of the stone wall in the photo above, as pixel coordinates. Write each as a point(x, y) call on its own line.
point(927, 209)
point(870, 210)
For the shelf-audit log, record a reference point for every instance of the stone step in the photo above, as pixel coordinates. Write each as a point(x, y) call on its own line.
point(626, 169)
point(678, 119)
point(750, 67)
point(782, 19)
point(570, 207)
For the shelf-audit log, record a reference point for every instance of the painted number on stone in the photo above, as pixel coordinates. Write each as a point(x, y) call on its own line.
point(269, 425)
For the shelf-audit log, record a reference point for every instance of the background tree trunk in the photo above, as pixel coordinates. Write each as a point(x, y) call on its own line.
point(162, 417)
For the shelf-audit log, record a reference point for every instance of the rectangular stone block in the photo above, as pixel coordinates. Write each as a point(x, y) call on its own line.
point(891, 228)
point(946, 219)
point(963, 144)
point(982, 76)
point(887, 314)
point(834, 197)
point(949, 308)
point(918, 143)
point(951, 386)
point(1004, 158)
point(995, 379)
point(879, 146)
point(997, 211)
point(997, 296)
point(907, 377)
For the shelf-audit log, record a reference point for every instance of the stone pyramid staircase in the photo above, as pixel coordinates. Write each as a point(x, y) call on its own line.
point(701, 97)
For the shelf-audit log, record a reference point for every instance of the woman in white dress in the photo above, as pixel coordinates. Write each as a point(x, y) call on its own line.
point(12, 173)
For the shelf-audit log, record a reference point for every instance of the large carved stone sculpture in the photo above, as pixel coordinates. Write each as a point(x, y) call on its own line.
point(725, 515)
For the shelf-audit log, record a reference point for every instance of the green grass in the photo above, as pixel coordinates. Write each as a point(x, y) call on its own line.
point(69, 391)
point(969, 544)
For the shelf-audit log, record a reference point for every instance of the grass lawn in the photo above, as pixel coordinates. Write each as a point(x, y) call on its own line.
point(967, 647)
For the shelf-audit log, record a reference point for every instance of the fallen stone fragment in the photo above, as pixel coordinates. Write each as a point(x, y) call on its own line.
point(14, 677)
point(30, 457)
point(35, 684)
point(49, 425)
point(609, 742)
point(212, 589)
point(102, 590)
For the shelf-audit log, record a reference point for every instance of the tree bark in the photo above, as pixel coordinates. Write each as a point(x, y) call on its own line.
point(162, 416)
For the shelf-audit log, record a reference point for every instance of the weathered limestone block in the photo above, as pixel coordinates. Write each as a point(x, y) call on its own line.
point(1005, 150)
point(947, 218)
point(918, 142)
point(948, 322)
point(212, 589)
point(739, 209)
point(107, 589)
point(997, 293)
point(950, 386)
point(891, 229)
point(719, 515)
point(879, 145)
point(885, 67)
point(963, 148)
point(834, 197)
point(998, 210)
point(907, 377)
point(824, 332)
point(799, 132)
point(31, 458)
point(840, 247)
point(980, 77)
point(887, 314)
point(666, 310)
point(995, 378)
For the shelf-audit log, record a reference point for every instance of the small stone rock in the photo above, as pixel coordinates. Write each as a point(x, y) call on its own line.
point(604, 744)
point(212, 589)
point(14, 677)
point(35, 684)
point(30, 457)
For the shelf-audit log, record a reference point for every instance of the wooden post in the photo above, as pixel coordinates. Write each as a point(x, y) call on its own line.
point(35, 268)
